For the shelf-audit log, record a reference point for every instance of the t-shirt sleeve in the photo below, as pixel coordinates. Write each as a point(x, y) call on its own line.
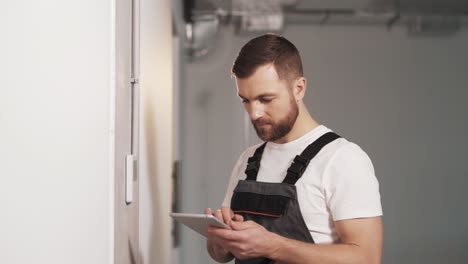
point(236, 175)
point(351, 188)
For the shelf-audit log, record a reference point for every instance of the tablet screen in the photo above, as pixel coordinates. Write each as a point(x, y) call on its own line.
point(198, 222)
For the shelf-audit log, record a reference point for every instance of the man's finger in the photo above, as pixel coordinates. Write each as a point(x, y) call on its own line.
point(238, 218)
point(218, 214)
point(208, 211)
point(227, 214)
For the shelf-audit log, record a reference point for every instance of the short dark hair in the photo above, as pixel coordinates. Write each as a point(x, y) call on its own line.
point(266, 49)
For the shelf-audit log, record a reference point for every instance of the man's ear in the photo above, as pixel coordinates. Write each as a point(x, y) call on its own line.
point(299, 88)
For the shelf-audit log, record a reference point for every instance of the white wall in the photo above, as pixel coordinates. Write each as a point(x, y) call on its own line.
point(402, 99)
point(156, 150)
point(54, 131)
point(58, 79)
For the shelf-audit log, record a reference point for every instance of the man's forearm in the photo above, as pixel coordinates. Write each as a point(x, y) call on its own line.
point(218, 253)
point(288, 251)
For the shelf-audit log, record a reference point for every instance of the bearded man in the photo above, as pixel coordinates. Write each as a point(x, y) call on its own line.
point(305, 195)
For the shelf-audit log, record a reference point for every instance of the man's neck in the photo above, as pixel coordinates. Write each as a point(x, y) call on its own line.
point(303, 125)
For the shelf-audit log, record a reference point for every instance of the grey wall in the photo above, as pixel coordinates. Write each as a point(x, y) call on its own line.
point(400, 98)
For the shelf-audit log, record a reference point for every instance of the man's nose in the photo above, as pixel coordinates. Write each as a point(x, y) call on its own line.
point(256, 111)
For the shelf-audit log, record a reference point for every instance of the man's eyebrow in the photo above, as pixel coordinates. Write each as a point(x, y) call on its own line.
point(260, 95)
point(266, 95)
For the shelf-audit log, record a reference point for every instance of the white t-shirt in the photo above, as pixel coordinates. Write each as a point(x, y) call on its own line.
point(338, 184)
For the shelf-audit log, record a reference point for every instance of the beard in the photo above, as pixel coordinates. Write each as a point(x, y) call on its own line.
point(268, 130)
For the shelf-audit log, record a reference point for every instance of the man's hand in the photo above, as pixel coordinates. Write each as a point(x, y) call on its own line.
point(224, 214)
point(213, 243)
point(360, 242)
point(246, 240)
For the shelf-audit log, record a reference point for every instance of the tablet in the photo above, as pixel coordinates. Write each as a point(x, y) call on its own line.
point(199, 222)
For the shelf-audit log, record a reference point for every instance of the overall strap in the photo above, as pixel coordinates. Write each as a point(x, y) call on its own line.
point(253, 164)
point(300, 162)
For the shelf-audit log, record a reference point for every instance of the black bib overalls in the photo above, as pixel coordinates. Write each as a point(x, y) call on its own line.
point(275, 205)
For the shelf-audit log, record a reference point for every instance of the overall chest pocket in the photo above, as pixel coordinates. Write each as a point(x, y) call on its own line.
point(259, 205)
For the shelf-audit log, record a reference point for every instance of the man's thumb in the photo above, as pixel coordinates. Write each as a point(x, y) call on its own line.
point(237, 225)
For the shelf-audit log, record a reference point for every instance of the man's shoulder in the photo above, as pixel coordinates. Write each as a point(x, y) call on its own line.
point(340, 149)
point(341, 144)
point(347, 156)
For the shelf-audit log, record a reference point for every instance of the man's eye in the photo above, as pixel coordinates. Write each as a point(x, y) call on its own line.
point(265, 100)
point(244, 101)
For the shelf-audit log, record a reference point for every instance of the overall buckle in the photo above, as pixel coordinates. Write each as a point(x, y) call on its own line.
point(299, 166)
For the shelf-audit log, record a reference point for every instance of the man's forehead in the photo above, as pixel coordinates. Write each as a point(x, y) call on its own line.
point(260, 90)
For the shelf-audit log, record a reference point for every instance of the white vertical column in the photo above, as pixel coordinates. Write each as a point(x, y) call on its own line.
point(156, 131)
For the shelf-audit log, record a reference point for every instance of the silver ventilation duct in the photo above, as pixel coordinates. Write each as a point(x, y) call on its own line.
point(420, 17)
point(201, 35)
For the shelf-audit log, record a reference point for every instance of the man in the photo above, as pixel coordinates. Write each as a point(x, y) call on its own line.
point(304, 196)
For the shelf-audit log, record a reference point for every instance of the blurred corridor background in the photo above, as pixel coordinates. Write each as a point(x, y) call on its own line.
point(115, 113)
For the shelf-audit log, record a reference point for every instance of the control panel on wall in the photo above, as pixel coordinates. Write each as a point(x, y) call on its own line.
point(131, 161)
point(126, 200)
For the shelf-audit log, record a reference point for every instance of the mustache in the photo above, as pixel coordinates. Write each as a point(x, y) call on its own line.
point(261, 122)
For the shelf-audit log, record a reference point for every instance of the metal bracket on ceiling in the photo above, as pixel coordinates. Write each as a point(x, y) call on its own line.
point(396, 16)
point(393, 20)
point(325, 18)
